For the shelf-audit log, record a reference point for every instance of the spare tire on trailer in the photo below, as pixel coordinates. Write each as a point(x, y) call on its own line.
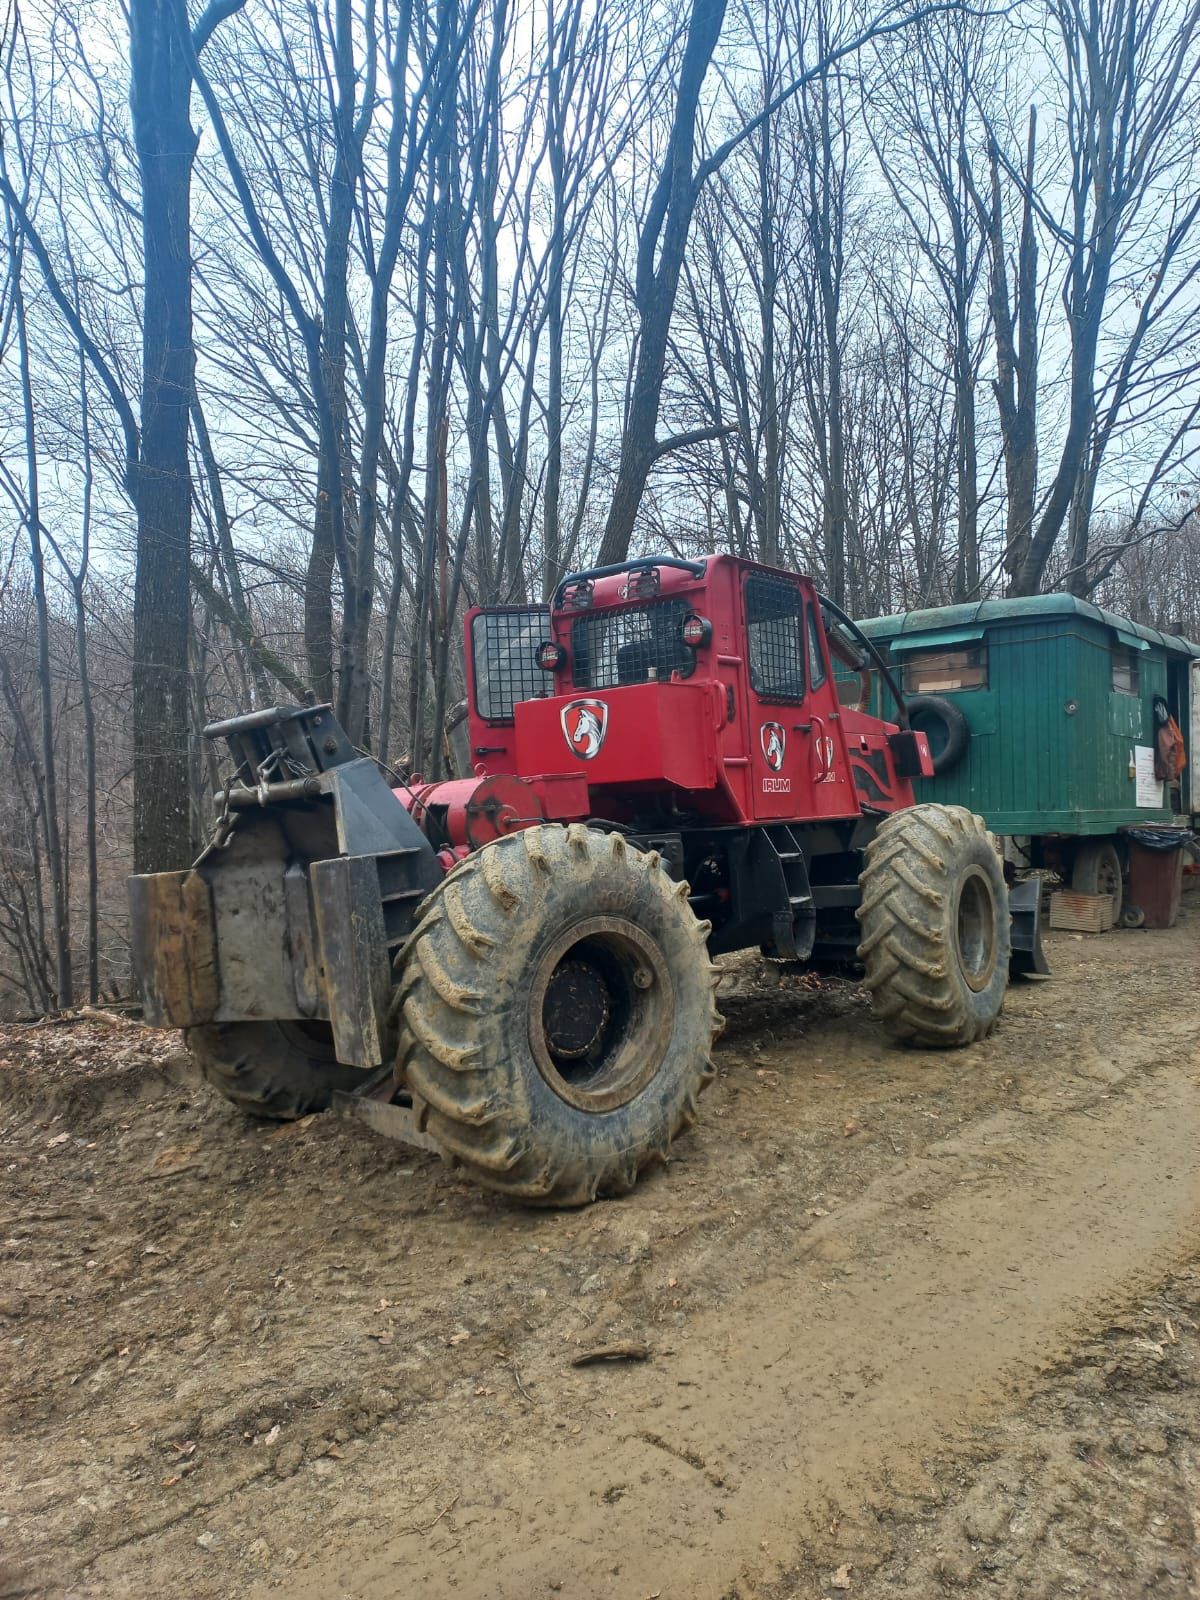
point(556, 1014)
point(944, 725)
point(276, 1070)
point(936, 929)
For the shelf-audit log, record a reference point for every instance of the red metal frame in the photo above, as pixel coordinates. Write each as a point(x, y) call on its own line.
point(709, 744)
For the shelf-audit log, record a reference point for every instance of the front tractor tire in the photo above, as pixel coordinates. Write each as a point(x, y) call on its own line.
point(275, 1070)
point(556, 1014)
point(935, 926)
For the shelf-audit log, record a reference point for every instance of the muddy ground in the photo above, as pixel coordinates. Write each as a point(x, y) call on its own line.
point(916, 1323)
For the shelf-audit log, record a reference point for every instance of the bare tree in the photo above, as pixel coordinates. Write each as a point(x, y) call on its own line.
point(1129, 80)
point(663, 237)
point(1015, 333)
point(921, 122)
point(163, 50)
point(662, 242)
point(47, 767)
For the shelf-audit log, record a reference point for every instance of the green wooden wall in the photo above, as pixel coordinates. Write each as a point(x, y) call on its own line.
point(1032, 766)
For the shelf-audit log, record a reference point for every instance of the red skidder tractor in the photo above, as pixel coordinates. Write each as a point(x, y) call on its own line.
point(515, 968)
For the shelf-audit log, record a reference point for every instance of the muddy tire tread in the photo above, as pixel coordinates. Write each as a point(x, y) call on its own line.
point(907, 946)
point(263, 1071)
point(468, 945)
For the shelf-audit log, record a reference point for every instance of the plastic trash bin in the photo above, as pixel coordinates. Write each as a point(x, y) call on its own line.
point(1156, 872)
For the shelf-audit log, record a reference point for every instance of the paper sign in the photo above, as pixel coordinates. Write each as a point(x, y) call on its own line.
point(1149, 788)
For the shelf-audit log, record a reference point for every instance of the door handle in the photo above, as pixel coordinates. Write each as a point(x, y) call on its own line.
point(822, 747)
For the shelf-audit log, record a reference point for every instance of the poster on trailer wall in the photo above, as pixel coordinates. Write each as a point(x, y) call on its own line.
point(1148, 788)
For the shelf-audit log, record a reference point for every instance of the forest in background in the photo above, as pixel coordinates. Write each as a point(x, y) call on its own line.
point(322, 320)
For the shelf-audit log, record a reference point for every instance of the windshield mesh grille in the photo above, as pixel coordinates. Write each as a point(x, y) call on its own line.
point(504, 646)
point(610, 649)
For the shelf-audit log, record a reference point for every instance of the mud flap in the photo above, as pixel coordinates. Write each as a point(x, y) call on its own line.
point(1025, 904)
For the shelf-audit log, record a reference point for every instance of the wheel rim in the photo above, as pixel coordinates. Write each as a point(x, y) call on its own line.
point(975, 929)
point(601, 1011)
point(1108, 876)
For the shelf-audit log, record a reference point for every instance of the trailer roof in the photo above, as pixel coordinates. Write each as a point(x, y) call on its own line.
point(975, 616)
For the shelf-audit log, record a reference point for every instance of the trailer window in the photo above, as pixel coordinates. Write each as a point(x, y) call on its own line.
point(936, 671)
point(504, 646)
point(630, 644)
point(1124, 670)
point(775, 639)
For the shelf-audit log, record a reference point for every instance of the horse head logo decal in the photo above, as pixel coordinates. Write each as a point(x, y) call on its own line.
point(584, 724)
point(774, 743)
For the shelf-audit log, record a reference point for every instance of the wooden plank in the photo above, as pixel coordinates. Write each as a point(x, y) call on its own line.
point(354, 955)
point(174, 948)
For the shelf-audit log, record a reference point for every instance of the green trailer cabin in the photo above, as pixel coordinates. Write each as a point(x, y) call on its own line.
point(1041, 717)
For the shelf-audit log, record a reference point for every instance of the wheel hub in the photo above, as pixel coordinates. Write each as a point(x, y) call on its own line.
point(601, 1012)
point(576, 1009)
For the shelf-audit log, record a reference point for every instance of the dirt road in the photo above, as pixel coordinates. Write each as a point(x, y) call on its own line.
point(915, 1322)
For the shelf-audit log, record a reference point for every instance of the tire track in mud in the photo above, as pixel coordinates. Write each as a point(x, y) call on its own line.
point(911, 1312)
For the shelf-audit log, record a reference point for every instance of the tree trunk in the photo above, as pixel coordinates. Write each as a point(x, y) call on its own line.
point(59, 915)
point(664, 233)
point(331, 429)
point(1015, 385)
point(827, 229)
point(160, 86)
point(966, 568)
point(78, 580)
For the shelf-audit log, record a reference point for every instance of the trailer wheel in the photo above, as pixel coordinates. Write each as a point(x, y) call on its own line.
point(555, 1014)
point(1096, 869)
point(276, 1070)
point(936, 932)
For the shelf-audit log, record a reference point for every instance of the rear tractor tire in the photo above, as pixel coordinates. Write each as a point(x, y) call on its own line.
point(555, 1014)
point(275, 1070)
point(936, 931)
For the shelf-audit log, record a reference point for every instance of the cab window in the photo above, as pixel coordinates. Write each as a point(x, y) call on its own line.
point(503, 647)
point(816, 661)
point(630, 644)
point(775, 638)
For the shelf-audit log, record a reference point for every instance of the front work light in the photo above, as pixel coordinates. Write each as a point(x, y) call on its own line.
point(697, 631)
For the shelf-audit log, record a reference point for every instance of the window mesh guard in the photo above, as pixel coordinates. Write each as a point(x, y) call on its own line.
point(610, 649)
point(776, 643)
point(504, 645)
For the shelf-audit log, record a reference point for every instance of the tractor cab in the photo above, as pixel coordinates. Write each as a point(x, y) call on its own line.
point(667, 687)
